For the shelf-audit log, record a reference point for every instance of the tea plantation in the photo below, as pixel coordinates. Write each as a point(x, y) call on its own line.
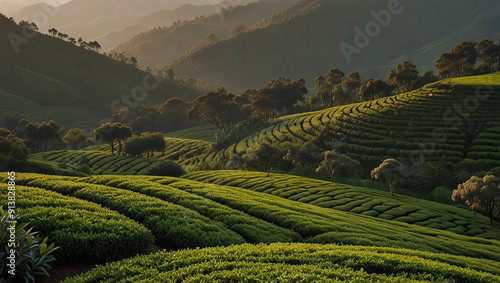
point(295, 262)
point(448, 121)
point(357, 200)
point(183, 213)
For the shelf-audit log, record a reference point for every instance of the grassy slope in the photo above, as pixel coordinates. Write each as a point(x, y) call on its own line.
point(185, 151)
point(189, 204)
point(357, 200)
point(303, 41)
point(53, 79)
point(404, 125)
point(295, 263)
point(208, 133)
point(409, 124)
point(191, 209)
point(98, 162)
point(160, 45)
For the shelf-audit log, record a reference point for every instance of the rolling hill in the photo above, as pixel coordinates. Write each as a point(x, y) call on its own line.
point(353, 199)
point(79, 18)
point(50, 79)
point(124, 29)
point(431, 124)
point(434, 123)
point(158, 46)
point(183, 213)
point(305, 40)
point(295, 263)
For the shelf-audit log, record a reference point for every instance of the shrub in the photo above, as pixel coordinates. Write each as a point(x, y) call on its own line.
point(32, 254)
point(442, 194)
point(82, 229)
point(166, 168)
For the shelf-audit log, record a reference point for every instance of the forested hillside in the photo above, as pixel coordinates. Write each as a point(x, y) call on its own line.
point(305, 40)
point(158, 46)
point(47, 78)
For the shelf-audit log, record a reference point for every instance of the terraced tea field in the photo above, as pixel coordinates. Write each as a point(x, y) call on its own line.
point(295, 263)
point(98, 162)
point(182, 213)
point(186, 152)
point(435, 122)
point(208, 133)
point(357, 200)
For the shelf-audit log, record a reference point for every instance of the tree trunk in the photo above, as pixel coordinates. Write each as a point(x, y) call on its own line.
point(269, 169)
point(392, 188)
point(112, 147)
point(120, 146)
point(331, 175)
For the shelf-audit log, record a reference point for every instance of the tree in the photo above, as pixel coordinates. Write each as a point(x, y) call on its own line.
point(352, 84)
point(339, 164)
point(325, 85)
point(72, 40)
point(403, 77)
point(216, 107)
point(263, 155)
point(210, 39)
point(459, 62)
point(490, 54)
point(340, 96)
point(110, 133)
point(237, 30)
point(334, 77)
point(427, 77)
point(482, 195)
point(74, 138)
point(133, 61)
point(323, 90)
point(278, 97)
point(53, 31)
point(121, 133)
point(391, 171)
point(374, 89)
point(13, 151)
point(314, 102)
point(146, 143)
point(302, 156)
point(41, 134)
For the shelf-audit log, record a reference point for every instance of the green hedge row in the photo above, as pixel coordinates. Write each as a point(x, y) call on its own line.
point(173, 226)
point(252, 229)
point(295, 263)
point(82, 229)
point(309, 221)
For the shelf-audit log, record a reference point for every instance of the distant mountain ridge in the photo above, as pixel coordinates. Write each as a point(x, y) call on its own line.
point(92, 19)
point(50, 79)
point(304, 40)
point(158, 46)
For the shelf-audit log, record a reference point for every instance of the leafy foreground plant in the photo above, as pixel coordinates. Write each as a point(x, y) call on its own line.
point(32, 255)
point(295, 262)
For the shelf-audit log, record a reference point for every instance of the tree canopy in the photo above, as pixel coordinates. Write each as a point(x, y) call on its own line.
point(13, 151)
point(338, 164)
point(374, 89)
point(111, 133)
point(278, 97)
point(41, 134)
point(403, 77)
point(481, 194)
point(263, 155)
point(219, 107)
point(459, 62)
point(146, 143)
point(390, 171)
